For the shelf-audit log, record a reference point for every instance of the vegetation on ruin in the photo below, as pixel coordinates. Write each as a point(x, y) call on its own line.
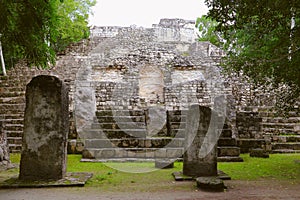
point(261, 39)
point(36, 30)
point(284, 167)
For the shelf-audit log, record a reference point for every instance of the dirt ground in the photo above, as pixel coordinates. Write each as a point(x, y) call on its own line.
point(263, 189)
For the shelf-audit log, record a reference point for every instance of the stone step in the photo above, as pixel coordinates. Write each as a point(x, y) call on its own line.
point(178, 133)
point(278, 125)
point(115, 134)
point(13, 127)
point(12, 94)
point(286, 138)
point(12, 115)
point(287, 145)
point(247, 144)
point(15, 148)
point(109, 119)
point(258, 109)
point(11, 89)
point(12, 100)
point(285, 151)
point(230, 159)
point(14, 121)
point(14, 140)
point(19, 107)
point(228, 151)
point(93, 134)
point(279, 130)
point(120, 113)
point(119, 125)
point(137, 153)
point(226, 133)
point(135, 143)
point(227, 141)
point(177, 125)
point(177, 112)
point(281, 120)
point(14, 133)
point(178, 118)
point(273, 114)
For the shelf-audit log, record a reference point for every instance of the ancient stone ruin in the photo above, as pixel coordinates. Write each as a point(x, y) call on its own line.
point(130, 89)
point(44, 147)
point(136, 86)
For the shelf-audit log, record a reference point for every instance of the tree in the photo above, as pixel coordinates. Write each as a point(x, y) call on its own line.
point(206, 31)
point(263, 39)
point(73, 25)
point(35, 30)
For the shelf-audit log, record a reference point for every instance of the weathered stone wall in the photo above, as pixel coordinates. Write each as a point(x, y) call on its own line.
point(12, 89)
point(111, 71)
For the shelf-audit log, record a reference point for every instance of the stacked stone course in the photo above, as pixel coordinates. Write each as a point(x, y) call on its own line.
point(105, 73)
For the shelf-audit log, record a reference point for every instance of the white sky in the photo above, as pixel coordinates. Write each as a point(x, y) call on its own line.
point(144, 12)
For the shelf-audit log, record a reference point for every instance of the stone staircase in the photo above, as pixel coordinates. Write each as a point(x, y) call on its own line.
point(12, 106)
point(228, 151)
point(259, 127)
point(122, 136)
point(284, 133)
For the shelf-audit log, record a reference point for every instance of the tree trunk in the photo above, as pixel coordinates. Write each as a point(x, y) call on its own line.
point(2, 59)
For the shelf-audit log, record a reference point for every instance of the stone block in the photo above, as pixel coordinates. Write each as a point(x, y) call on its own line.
point(45, 130)
point(200, 158)
point(75, 147)
point(227, 142)
point(174, 152)
point(259, 153)
point(88, 154)
point(211, 183)
point(161, 153)
point(156, 120)
point(164, 164)
point(228, 151)
point(96, 143)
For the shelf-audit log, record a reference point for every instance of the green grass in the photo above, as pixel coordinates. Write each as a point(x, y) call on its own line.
point(277, 167)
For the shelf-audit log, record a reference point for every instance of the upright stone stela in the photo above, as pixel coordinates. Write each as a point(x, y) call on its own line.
point(45, 130)
point(198, 122)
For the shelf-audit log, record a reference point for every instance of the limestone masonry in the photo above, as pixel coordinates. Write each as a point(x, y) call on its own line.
point(130, 88)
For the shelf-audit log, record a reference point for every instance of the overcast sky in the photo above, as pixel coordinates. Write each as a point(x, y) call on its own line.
point(144, 12)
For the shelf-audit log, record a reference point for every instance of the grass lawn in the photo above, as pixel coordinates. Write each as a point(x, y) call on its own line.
point(277, 167)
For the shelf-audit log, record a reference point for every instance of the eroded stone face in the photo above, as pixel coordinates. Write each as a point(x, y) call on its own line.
point(45, 130)
point(198, 124)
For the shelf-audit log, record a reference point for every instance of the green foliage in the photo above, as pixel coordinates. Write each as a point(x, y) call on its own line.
point(261, 41)
point(206, 27)
point(35, 30)
point(73, 25)
point(27, 27)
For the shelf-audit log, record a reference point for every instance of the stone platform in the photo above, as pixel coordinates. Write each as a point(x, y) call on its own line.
point(74, 179)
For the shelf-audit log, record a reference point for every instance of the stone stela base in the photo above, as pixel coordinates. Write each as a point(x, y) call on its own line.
point(179, 176)
point(209, 183)
point(74, 179)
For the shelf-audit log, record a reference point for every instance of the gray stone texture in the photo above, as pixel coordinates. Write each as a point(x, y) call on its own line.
point(156, 120)
point(213, 184)
point(195, 162)
point(44, 145)
point(4, 150)
point(103, 72)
